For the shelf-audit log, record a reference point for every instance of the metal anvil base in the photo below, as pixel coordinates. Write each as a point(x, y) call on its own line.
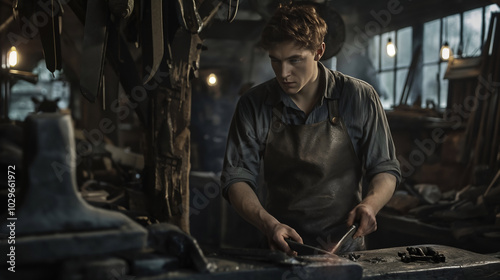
point(51, 220)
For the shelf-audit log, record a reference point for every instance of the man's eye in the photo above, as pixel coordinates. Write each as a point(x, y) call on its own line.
point(295, 60)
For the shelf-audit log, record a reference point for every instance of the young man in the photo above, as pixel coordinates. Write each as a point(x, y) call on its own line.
point(316, 132)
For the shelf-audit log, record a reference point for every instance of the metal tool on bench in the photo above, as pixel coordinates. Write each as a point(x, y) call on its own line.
point(349, 234)
point(303, 249)
point(427, 254)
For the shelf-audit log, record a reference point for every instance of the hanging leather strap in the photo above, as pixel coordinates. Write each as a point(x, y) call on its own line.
point(94, 48)
point(152, 48)
point(50, 36)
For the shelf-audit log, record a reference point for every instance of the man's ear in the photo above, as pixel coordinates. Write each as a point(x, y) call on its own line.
point(319, 52)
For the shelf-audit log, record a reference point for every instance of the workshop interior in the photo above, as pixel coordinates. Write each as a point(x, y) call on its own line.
point(114, 118)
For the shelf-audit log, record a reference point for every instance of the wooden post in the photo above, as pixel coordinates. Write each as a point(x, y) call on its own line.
point(169, 139)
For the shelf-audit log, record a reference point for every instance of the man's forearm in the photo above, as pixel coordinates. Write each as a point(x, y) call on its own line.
point(247, 204)
point(380, 191)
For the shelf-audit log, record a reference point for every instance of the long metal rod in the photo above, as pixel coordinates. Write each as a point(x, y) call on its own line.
point(343, 239)
point(6, 23)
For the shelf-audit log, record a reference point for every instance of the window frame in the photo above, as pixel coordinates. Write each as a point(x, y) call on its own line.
point(419, 37)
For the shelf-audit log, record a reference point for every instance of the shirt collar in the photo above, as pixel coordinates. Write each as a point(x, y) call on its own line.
point(329, 77)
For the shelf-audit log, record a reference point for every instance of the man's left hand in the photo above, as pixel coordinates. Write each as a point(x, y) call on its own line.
point(365, 214)
point(379, 193)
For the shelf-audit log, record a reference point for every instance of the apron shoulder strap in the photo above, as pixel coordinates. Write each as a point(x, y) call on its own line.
point(278, 111)
point(333, 104)
point(333, 111)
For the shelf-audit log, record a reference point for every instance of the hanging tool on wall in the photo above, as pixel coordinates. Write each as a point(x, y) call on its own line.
point(95, 40)
point(232, 10)
point(42, 18)
point(94, 49)
point(153, 42)
point(190, 18)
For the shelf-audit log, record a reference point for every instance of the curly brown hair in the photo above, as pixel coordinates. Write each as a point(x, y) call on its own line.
point(294, 22)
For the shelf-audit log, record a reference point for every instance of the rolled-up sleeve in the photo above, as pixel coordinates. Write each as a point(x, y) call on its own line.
point(376, 143)
point(242, 158)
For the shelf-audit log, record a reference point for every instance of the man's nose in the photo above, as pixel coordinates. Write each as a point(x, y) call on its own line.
point(285, 70)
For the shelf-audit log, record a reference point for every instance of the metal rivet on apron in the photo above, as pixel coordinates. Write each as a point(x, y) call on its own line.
point(277, 126)
point(335, 120)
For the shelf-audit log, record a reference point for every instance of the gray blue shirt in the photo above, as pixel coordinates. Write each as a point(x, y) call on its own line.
point(359, 107)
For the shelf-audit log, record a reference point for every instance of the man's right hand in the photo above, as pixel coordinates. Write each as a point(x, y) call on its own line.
point(276, 235)
point(246, 203)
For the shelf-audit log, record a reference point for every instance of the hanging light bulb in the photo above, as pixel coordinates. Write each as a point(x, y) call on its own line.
point(445, 52)
point(212, 80)
point(391, 48)
point(12, 57)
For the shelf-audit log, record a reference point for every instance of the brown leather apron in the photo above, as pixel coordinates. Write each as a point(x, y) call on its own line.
point(313, 178)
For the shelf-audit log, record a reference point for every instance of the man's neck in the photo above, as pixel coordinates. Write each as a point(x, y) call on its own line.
point(307, 98)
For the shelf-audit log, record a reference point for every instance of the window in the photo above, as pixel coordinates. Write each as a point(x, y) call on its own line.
point(50, 86)
point(392, 71)
point(487, 17)
point(464, 33)
point(434, 88)
point(472, 24)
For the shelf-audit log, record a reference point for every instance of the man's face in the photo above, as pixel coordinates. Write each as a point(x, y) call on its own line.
point(293, 66)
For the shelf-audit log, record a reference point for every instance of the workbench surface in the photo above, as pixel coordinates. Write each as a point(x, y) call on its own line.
point(371, 264)
point(241, 263)
point(459, 264)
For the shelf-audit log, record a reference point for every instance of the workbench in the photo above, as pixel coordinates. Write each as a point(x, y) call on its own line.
point(459, 264)
point(371, 264)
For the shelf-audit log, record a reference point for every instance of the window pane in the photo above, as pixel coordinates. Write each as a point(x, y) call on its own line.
point(487, 17)
point(387, 93)
point(444, 86)
point(374, 50)
point(49, 85)
point(400, 82)
point(387, 61)
point(431, 41)
point(451, 32)
point(404, 47)
point(430, 86)
point(472, 32)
